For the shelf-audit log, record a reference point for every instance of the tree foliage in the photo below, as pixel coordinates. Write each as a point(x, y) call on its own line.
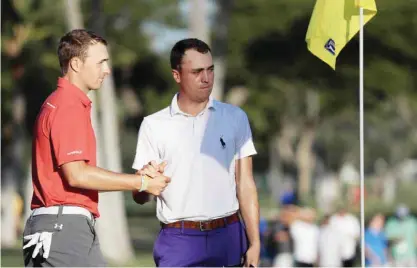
point(268, 54)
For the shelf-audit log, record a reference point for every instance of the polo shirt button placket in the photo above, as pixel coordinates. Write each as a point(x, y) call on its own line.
point(194, 123)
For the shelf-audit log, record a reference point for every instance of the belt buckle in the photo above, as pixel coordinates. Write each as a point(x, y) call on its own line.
point(202, 226)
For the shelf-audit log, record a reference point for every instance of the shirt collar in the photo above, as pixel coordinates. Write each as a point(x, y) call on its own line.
point(175, 109)
point(76, 91)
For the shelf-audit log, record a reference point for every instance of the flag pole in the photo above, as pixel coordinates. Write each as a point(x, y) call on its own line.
point(362, 186)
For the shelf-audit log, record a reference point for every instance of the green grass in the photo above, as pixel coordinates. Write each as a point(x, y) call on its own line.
point(142, 259)
point(11, 257)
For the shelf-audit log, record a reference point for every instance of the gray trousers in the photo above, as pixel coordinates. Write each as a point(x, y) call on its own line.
point(74, 241)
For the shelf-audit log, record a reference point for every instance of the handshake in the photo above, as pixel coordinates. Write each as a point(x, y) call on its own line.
point(153, 180)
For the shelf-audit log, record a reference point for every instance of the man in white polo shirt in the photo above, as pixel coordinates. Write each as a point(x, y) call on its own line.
point(208, 147)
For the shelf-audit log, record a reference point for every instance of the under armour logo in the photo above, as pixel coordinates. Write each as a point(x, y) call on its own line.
point(58, 226)
point(330, 46)
point(222, 142)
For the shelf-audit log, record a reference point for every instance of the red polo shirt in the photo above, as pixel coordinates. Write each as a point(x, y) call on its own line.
point(63, 133)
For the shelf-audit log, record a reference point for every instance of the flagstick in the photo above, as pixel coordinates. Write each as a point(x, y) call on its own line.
point(361, 136)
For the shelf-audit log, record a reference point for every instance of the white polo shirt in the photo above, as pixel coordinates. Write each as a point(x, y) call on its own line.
point(306, 237)
point(349, 229)
point(330, 247)
point(201, 152)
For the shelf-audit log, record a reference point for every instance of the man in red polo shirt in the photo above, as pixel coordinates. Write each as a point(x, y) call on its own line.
point(66, 180)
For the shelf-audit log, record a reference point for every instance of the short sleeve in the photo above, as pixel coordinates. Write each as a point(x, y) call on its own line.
point(244, 142)
point(146, 149)
point(69, 135)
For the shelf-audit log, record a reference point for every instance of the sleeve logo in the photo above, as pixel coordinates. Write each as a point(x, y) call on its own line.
point(75, 152)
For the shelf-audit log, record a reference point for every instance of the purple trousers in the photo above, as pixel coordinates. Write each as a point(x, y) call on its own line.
point(181, 247)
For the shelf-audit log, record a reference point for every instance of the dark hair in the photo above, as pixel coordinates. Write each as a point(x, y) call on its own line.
point(75, 44)
point(179, 49)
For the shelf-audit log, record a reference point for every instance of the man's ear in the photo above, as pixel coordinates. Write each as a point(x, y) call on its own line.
point(176, 75)
point(75, 64)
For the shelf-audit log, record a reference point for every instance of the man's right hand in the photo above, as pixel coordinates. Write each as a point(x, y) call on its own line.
point(153, 174)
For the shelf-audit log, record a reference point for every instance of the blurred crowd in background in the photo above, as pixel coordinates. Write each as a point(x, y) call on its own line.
point(299, 236)
point(392, 241)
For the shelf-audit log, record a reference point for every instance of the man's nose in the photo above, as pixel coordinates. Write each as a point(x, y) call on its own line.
point(204, 77)
point(106, 69)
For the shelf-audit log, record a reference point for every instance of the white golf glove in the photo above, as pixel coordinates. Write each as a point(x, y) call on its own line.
point(41, 240)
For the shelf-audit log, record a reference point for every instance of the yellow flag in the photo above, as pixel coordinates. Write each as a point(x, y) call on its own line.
point(333, 24)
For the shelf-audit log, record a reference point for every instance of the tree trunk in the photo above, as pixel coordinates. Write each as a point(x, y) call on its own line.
point(219, 45)
point(198, 20)
point(275, 174)
point(199, 28)
point(305, 161)
point(282, 157)
point(305, 155)
point(112, 225)
point(116, 244)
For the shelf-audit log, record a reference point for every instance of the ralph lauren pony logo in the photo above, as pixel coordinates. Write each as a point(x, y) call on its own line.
point(330, 46)
point(222, 142)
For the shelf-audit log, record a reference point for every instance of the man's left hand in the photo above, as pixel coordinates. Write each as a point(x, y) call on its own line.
point(252, 256)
